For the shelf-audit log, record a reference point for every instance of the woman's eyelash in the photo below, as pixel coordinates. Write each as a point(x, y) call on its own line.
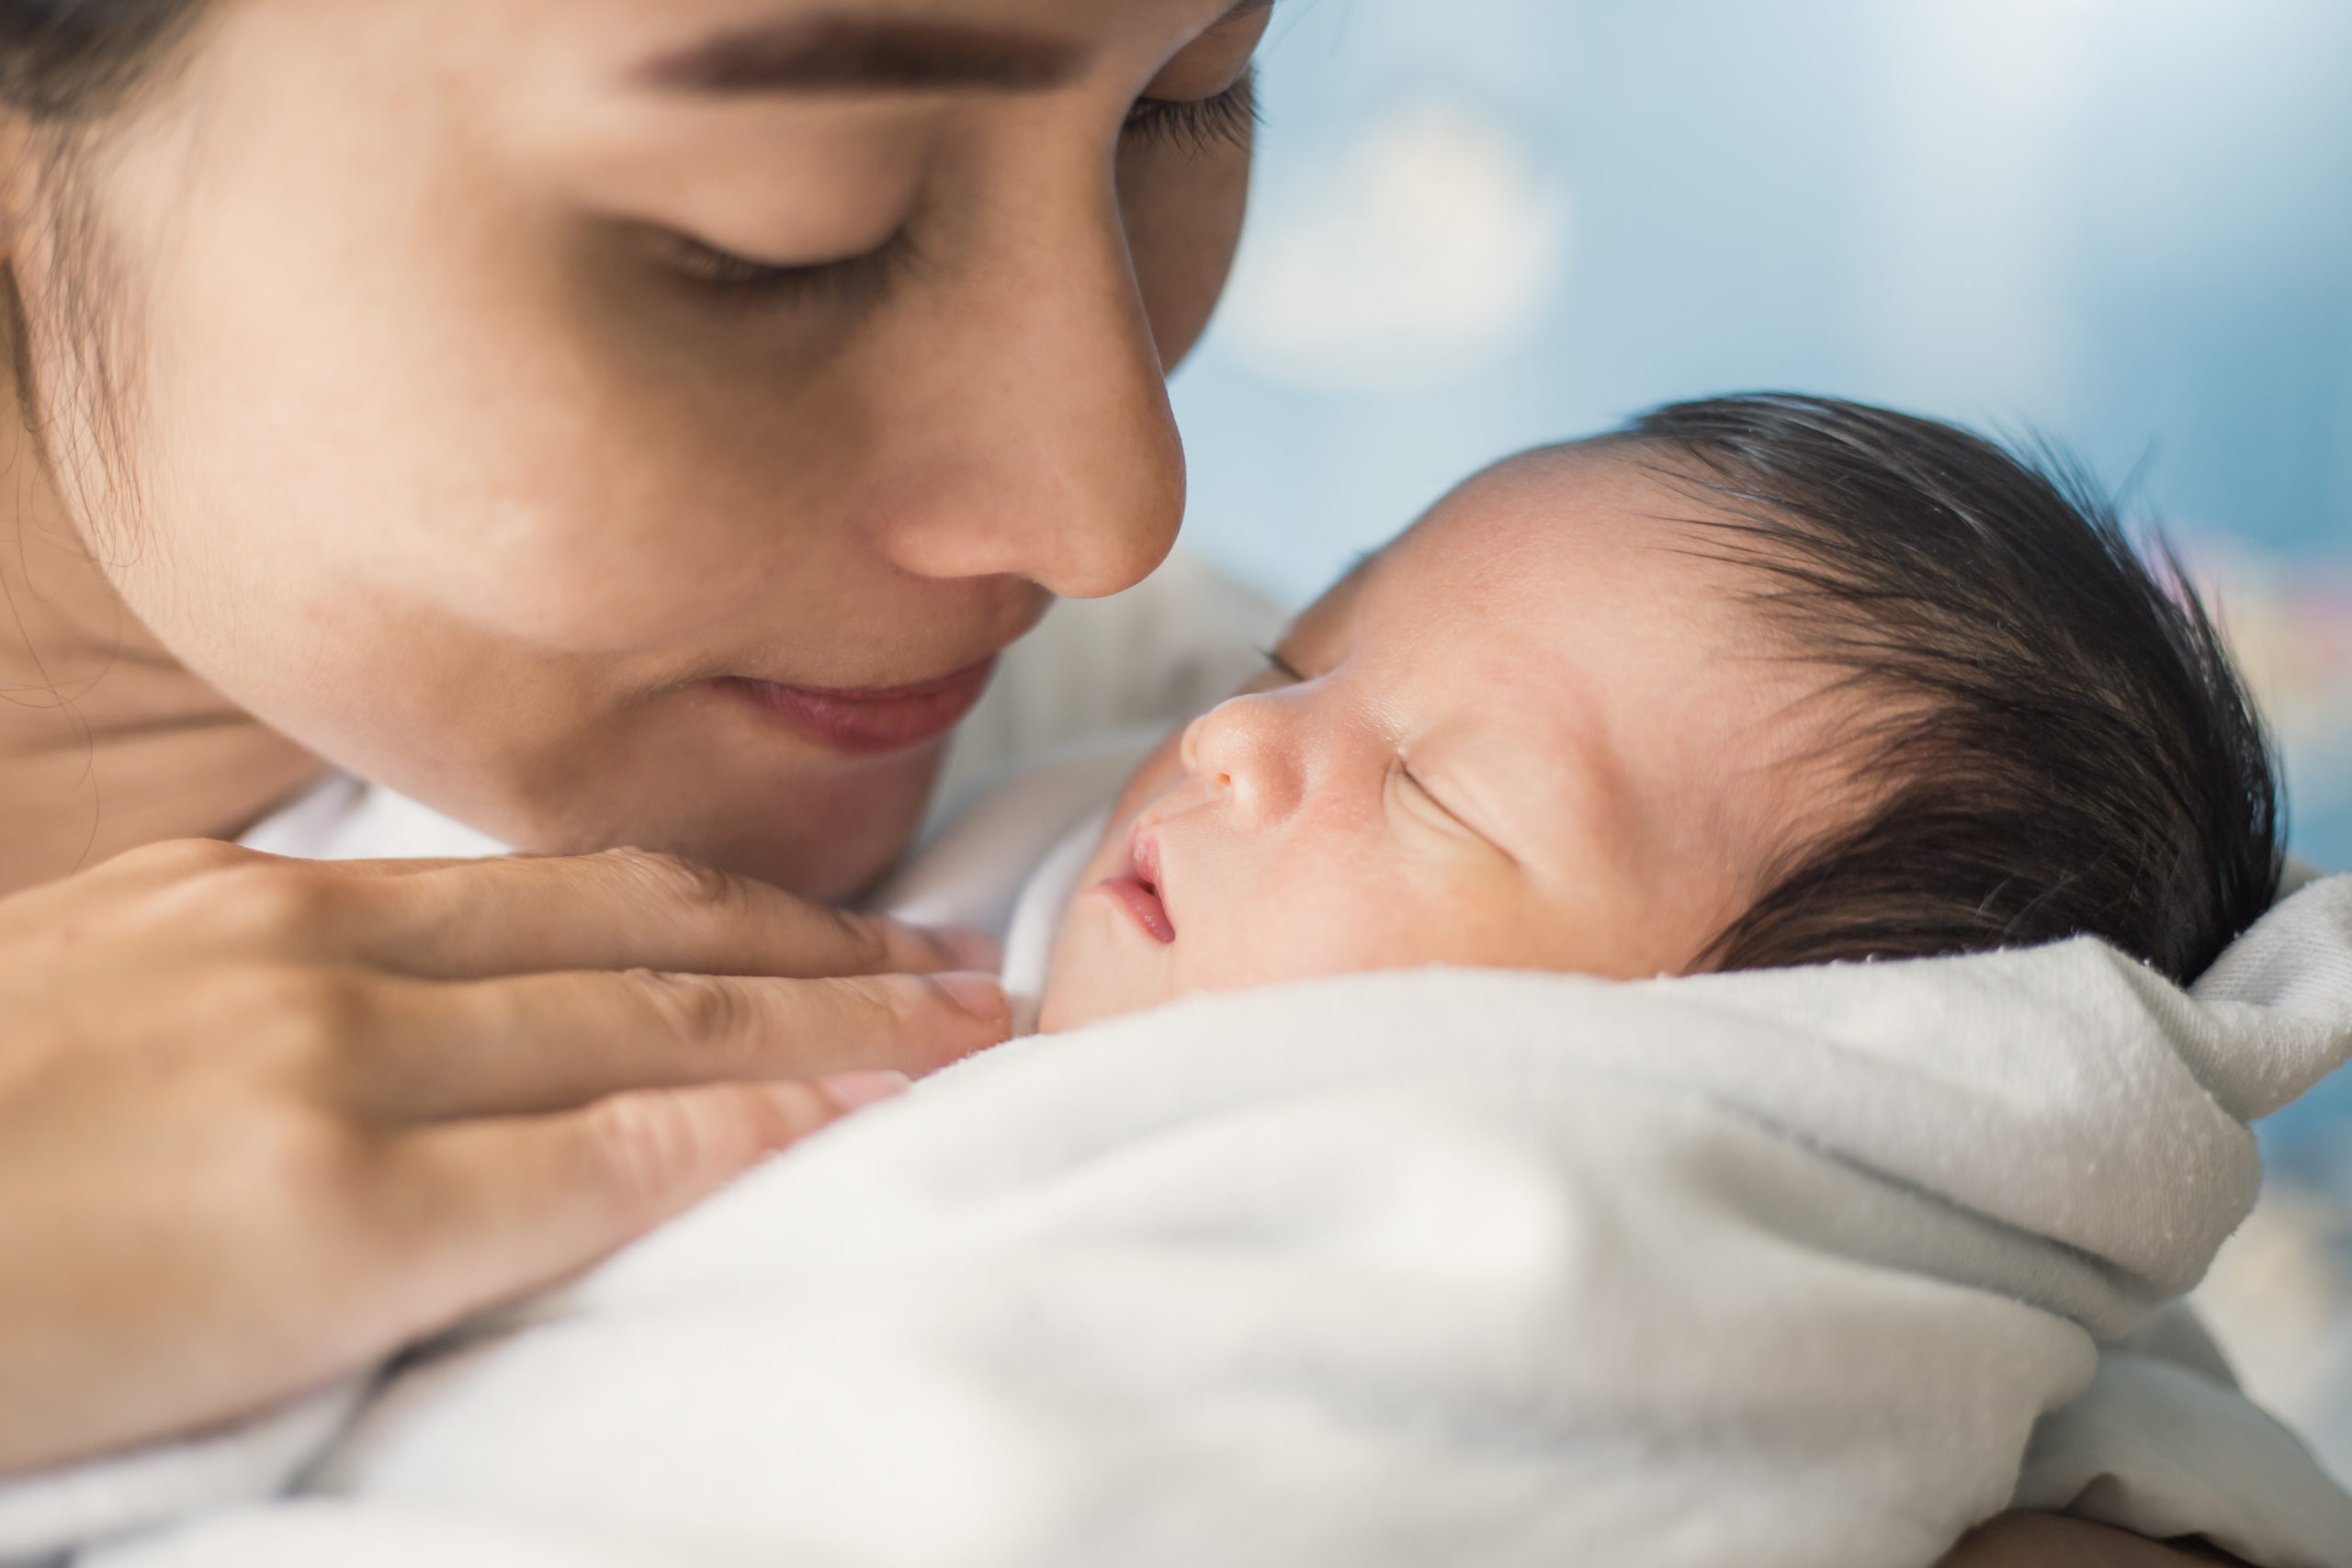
point(729, 276)
point(1200, 125)
point(1195, 125)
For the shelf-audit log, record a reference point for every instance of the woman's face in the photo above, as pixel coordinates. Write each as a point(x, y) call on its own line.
point(574, 413)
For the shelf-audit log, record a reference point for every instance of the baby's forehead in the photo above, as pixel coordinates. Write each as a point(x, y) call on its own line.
point(1608, 505)
point(1567, 537)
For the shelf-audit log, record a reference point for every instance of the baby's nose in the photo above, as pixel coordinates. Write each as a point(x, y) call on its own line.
point(1193, 754)
point(1237, 748)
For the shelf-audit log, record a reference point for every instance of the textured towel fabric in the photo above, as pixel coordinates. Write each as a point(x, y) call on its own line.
point(1431, 1268)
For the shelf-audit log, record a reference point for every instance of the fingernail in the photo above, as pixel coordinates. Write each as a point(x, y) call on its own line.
point(981, 995)
point(855, 1091)
point(976, 950)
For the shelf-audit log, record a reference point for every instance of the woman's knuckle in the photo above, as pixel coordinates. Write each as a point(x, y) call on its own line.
point(887, 1003)
point(287, 1156)
point(271, 902)
point(697, 1007)
point(866, 943)
point(289, 1009)
point(177, 860)
point(647, 1145)
point(676, 879)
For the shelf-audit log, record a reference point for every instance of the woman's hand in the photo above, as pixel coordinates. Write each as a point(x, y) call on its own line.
point(263, 1120)
point(2053, 1540)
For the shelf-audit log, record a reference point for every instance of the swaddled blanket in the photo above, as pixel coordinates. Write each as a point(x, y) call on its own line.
point(1442, 1267)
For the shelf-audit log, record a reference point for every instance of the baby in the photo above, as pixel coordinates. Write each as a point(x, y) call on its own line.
point(1760, 681)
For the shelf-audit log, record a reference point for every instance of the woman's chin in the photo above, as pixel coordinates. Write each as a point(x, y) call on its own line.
point(828, 832)
point(858, 842)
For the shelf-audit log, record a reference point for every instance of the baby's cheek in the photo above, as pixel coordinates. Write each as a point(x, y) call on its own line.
point(1342, 914)
point(1300, 926)
point(1160, 771)
point(1100, 969)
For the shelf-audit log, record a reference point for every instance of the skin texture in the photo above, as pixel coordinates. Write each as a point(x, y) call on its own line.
point(1537, 731)
point(393, 409)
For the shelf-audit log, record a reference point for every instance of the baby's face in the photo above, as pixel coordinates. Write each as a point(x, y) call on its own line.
point(1538, 731)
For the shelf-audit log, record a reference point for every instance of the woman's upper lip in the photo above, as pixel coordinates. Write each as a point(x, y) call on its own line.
point(868, 719)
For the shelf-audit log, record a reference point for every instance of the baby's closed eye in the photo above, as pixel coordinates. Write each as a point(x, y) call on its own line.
point(1279, 672)
point(1413, 799)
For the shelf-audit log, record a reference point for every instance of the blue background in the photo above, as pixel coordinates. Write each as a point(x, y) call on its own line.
point(1480, 224)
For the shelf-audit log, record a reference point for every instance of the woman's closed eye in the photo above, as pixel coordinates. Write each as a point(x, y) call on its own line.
point(727, 276)
point(1197, 126)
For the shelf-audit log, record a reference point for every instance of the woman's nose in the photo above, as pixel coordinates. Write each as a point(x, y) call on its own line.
point(1247, 751)
point(1035, 403)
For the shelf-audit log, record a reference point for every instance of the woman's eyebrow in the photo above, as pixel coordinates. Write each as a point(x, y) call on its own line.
point(864, 54)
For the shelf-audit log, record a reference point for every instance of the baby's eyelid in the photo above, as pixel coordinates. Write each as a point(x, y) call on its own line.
point(1283, 666)
point(1404, 770)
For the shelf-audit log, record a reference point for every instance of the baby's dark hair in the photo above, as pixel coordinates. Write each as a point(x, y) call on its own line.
point(2059, 745)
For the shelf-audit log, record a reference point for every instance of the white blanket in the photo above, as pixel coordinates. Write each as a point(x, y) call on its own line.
point(1438, 1267)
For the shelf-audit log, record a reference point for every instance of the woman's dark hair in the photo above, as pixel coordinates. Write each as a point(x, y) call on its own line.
point(2059, 744)
point(71, 60)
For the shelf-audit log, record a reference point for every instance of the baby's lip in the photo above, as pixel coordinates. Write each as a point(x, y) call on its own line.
point(1138, 889)
point(1143, 857)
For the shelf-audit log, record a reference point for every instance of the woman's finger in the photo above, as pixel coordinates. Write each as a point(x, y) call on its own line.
point(536, 1043)
point(462, 920)
point(481, 1212)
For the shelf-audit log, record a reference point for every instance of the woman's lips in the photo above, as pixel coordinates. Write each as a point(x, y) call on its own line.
point(865, 722)
point(1138, 889)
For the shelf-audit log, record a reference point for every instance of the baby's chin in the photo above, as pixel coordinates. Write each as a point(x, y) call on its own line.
point(1098, 971)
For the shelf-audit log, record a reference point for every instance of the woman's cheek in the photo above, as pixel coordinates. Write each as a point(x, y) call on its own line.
point(1182, 214)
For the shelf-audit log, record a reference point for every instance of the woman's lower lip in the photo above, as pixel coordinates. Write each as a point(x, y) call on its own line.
point(865, 722)
point(1141, 901)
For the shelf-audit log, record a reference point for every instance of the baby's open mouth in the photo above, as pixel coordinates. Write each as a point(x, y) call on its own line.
point(1138, 889)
